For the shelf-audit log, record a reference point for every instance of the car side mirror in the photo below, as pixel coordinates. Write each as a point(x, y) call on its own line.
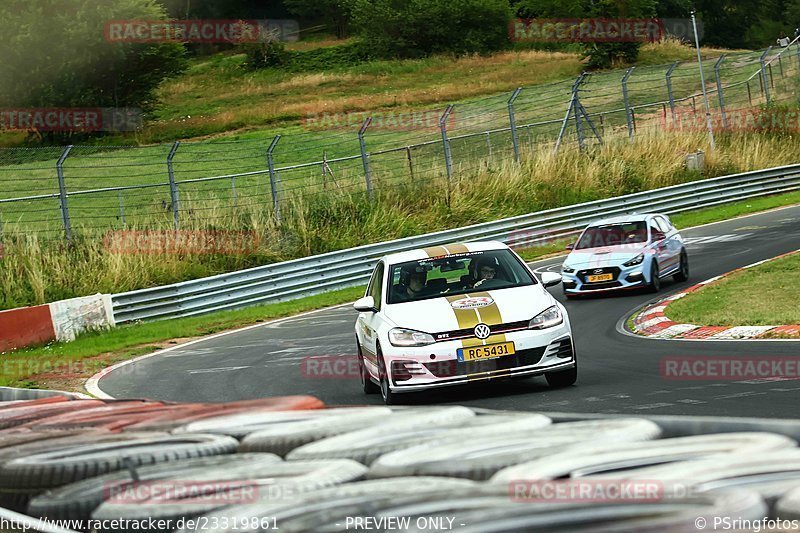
point(658, 236)
point(550, 278)
point(571, 246)
point(365, 304)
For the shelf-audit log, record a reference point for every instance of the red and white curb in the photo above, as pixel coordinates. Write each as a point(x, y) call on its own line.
point(652, 321)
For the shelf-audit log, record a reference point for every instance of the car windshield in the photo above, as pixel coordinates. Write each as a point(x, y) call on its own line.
point(456, 274)
point(613, 235)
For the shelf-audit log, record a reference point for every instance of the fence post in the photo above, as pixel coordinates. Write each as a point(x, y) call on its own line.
point(798, 55)
point(513, 122)
point(121, 208)
point(780, 64)
point(364, 157)
point(173, 187)
point(669, 92)
point(628, 117)
point(325, 170)
point(570, 109)
point(719, 91)
point(764, 82)
point(272, 180)
point(233, 190)
point(448, 158)
point(410, 162)
point(62, 194)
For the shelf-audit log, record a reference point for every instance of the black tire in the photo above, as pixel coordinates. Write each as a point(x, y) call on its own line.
point(389, 398)
point(76, 501)
point(655, 281)
point(279, 482)
point(563, 378)
point(53, 468)
point(366, 382)
point(683, 273)
point(283, 438)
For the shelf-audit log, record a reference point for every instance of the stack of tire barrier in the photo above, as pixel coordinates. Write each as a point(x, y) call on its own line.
point(291, 464)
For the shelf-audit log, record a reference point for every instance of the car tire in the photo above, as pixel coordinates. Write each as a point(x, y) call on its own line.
point(655, 281)
point(683, 272)
point(389, 398)
point(564, 378)
point(366, 382)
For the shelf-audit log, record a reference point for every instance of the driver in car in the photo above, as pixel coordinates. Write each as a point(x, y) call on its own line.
point(412, 284)
point(486, 271)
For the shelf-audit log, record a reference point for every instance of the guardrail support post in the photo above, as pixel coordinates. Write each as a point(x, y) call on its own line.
point(628, 117)
point(764, 82)
point(173, 187)
point(62, 194)
point(513, 122)
point(719, 91)
point(364, 157)
point(273, 185)
point(448, 158)
point(670, 95)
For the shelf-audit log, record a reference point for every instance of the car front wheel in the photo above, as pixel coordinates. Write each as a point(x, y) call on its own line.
point(683, 273)
point(564, 378)
point(389, 398)
point(366, 382)
point(655, 281)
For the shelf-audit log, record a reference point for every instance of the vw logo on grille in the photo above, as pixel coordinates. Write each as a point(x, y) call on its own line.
point(598, 271)
point(482, 331)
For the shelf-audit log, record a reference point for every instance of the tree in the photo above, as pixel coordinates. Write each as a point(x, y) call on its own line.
point(600, 54)
point(335, 11)
point(415, 28)
point(55, 54)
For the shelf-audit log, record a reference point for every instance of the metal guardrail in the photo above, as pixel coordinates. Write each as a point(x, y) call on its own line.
point(347, 268)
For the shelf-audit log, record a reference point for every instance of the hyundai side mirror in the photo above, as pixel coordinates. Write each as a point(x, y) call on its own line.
point(571, 246)
point(365, 304)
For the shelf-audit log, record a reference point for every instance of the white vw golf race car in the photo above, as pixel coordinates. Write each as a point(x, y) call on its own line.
point(454, 314)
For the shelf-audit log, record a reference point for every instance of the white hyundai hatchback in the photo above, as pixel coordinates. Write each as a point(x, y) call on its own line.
point(454, 314)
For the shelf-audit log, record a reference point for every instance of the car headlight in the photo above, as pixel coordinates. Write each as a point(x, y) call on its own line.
point(635, 261)
point(546, 319)
point(568, 270)
point(409, 337)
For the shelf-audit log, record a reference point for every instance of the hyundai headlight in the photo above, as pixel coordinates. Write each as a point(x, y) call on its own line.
point(566, 269)
point(409, 337)
point(547, 319)
point(635, 261)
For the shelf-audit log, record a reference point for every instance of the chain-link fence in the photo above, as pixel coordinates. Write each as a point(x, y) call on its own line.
point(61, 192)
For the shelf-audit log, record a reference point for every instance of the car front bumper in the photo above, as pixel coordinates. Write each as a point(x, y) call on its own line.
point(437, 365)
point(623, 278)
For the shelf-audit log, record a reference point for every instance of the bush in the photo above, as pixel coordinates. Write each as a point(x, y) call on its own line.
point(274, 54)
point(59, 57)
point(416, 28)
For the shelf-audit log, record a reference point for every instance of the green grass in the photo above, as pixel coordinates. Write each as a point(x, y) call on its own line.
point(91, 352)
point(734, 209)
point(765, 295)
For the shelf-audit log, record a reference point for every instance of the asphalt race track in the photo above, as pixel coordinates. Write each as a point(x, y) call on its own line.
point(618, 373)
